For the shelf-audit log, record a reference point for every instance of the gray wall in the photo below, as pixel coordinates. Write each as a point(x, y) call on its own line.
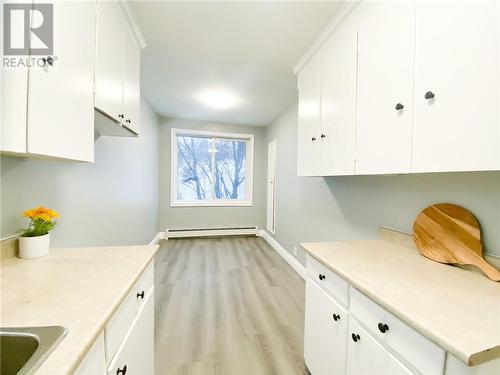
point(352, 207)
point(211, 217)
point(113, 201)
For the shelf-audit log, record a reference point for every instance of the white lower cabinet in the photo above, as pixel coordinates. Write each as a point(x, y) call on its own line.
point(325, 332)
point(348, 333)
point(367, 356)
point(127, 344)
point(136, 353)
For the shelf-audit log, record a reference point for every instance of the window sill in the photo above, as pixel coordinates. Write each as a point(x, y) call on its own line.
point(212, 204)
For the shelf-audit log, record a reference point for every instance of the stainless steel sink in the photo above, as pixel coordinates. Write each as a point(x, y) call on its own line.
point(24, 349)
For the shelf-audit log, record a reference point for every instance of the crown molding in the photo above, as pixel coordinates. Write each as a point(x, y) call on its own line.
point(132, 21)
point(340, 17)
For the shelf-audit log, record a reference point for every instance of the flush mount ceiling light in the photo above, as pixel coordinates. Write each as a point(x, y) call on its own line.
point(218, 98)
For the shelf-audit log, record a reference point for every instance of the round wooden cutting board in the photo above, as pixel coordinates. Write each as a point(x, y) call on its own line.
point(451, 234)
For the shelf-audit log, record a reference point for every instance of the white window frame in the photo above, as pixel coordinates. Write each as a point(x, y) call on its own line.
point(248, 201)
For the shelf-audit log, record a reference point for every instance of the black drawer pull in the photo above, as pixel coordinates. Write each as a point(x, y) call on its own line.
point(321, 276)
point(355, 337)
point(382, 327)
point(121, 371)
point(140, 295)
point(336, 317)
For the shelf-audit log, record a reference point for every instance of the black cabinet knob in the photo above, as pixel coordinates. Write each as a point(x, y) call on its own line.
point(321, 276)
point(336, 317)
point(121, 371)
point(429, 95)
point(127, 121)
point(121, 115)
point(382, 327)
point(355, 337)
point(49, 60)
point(323, 136)
point(399, 107)
point(313, 139)
point(140, 295)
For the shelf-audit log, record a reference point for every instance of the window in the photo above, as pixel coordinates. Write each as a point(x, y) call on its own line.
point(211, 168)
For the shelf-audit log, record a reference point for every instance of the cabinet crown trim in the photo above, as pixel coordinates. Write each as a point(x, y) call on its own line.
point(344, 12)
point(132, 22)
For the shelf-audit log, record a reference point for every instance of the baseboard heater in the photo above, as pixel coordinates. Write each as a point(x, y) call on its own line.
point(211, 232)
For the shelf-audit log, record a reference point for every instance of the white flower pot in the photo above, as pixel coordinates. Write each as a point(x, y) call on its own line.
point(34, 247)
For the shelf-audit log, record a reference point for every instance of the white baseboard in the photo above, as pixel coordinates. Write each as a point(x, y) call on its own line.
point(159, 236)
point(294, 263)
point(208, 232)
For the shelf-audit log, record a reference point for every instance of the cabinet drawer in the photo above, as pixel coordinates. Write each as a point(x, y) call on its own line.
point(120, 323)
point(330, 281)
point(420, 352)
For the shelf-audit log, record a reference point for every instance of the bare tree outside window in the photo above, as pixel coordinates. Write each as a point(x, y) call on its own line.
point(210, 168)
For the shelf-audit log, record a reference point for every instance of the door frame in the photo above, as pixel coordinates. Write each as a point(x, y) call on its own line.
point(271, 187)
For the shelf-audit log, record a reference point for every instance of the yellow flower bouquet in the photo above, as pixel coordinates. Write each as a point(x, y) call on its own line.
point(35, 240)
point(41, 221)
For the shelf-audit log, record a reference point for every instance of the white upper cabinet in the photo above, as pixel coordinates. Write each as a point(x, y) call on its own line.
point(458, 65)
point(338, 102)
point(109, 59)
point(60, 97)
point(52, 115)
point(131, 79)
point(385, 86)
point(309, 119)
point(118, 59)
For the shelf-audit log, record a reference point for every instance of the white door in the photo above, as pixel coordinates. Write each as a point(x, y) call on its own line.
point(338, 102)
point(365, 356)
point(136, 354)
point(325, 332)
point(385, 87)
point(458, 65)
point(109, 59)
point(271, 187)
point(61, 95)
point(309, 119)
point(131, 78)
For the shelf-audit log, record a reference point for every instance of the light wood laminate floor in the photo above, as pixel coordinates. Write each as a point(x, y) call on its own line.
point(227, 306)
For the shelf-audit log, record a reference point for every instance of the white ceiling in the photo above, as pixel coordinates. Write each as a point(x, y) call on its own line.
point(247, 48)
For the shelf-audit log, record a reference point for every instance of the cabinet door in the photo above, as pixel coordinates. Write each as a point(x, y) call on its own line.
point(309, 119)
point(457, 60)
point(338, 102)
point(61, 95)
point(136, 353)
point(111, 28)
point(94, 362)
point(131, 78)
point(385, 79)
point(367, 356)
point(325, 334)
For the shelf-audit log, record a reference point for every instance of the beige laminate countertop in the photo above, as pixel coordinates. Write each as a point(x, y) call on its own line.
point(77, 288)
point(458, 309)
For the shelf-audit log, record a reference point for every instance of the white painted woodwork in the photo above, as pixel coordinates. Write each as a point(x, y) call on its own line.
point(331, 282)
point(367, 356)
point(457, 367)
point(137, 349)
point(119, 324)
point(338, 102)
point(61, 100)
point(131, 79)
point(458, 59)
point(385, 78)
point(308, 119)
point(109, 59)
point(324, 338)
point(94, 362)
point(271, 187)
point(420, 352)
point(13, 109)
